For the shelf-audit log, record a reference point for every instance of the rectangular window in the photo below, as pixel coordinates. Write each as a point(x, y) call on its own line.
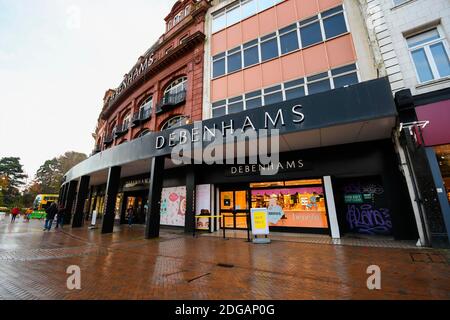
point(430, 55)
point(249, 8)
point(233, 15)
point(334, 22)
point(265, 4)
point(234, 60)
point(294, 89)
point(251, 53)
point(219, 65)
point(310, 33)
point(219, 108)
point(253, 100)
point(269, 47)
point(316, 86)
point(289, 39)
point(219, 21)
point(344, 76)
point(235, 105)
point(273, 95)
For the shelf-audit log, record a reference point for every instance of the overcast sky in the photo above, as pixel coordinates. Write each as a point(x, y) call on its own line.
point(57, 58)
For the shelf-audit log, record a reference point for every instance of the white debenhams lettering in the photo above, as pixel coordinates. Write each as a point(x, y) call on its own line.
point(186, 310)
point(160, 141)
point(268, 118)
point(228, 127)
point(298, 113)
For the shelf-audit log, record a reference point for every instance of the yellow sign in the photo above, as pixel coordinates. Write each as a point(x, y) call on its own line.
point(260, 223)
point(260, 219)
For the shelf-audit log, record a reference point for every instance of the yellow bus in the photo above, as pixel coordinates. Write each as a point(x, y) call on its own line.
point(41, 203)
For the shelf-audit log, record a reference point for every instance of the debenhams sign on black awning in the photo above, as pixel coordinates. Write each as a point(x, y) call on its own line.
point(361, 102)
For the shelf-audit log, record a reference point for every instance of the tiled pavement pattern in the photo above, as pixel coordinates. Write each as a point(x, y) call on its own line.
point(124, 265)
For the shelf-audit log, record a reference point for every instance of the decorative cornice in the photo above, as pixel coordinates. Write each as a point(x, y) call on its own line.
point(157, 66)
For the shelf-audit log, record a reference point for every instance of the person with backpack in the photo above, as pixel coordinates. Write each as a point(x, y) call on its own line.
point(51, 211)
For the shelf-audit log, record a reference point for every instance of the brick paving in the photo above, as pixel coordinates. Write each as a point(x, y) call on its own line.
point(124, 265)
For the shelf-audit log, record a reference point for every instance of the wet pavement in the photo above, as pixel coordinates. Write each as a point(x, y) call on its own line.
point(124, 265)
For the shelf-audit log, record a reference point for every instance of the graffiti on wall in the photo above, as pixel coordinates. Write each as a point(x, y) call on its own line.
point(367, 219)
point(366, 210)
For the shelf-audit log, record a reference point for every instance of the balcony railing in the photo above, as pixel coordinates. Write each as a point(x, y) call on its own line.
point(121, 129)
point(109, 138)
point(141, 116)
point(170, 100)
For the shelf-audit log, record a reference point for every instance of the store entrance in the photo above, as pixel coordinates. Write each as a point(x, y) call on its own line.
point(234, 207)
point(137, 201)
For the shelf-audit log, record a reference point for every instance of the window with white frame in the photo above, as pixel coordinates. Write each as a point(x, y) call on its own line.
point(238, 11)
point(430, 55)
point(176, 86)
point(177, 18)
point(126, 121)
point(187, 10)
point(324, 26)
point(146, 107)
point(331, 79)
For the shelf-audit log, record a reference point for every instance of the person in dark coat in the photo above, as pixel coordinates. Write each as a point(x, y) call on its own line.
point(51, 211)
point(60, 218)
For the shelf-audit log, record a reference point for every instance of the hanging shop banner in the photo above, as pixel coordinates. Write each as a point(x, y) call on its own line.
point(260, 222)
point(173, 206)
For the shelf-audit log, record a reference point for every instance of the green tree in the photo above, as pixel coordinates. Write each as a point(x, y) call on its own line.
point(49, 176)
point(12, 177)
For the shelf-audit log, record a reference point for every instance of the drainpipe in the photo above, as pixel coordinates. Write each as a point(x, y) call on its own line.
point(413, 194)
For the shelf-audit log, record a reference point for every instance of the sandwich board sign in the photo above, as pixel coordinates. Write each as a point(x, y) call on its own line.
point(260, 224)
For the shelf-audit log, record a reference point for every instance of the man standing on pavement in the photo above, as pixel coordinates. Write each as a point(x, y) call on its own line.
point(51, 213)
point(14, 213)
point(60, 218)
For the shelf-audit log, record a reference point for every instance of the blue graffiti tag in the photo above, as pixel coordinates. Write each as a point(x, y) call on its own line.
point(369, 220)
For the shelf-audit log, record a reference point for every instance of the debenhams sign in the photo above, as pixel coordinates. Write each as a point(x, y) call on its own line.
point(210, 130)
point(132, 76)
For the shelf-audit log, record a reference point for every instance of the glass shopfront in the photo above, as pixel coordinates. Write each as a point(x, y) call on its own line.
point(443, 159)
point(292, 205)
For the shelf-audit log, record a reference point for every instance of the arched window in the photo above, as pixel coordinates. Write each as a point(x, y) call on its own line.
point(176, 86)
point(143, 133)
point(126, 121)
point(145, 109)
point(174, 122)
point(187, 10)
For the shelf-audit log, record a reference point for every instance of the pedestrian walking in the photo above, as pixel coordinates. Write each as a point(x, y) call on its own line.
point(28, 214)
point(60, 217)
point(130, 215)
point(14, 213)
point(51, 211)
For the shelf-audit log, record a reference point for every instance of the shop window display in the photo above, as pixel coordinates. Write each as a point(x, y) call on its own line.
point(443, 158)
point(300, 207)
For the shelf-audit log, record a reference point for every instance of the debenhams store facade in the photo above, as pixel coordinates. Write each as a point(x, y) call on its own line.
point(336, 171)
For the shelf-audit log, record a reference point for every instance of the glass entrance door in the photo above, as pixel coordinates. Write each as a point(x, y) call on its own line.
point(234, 207)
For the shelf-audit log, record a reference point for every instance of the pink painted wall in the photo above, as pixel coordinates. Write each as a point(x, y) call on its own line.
point(438, 131)
point(319, 58)
point(270, 20)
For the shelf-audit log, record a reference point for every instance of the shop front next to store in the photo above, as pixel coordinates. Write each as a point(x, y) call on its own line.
point(336, 171)
point(425, 136)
